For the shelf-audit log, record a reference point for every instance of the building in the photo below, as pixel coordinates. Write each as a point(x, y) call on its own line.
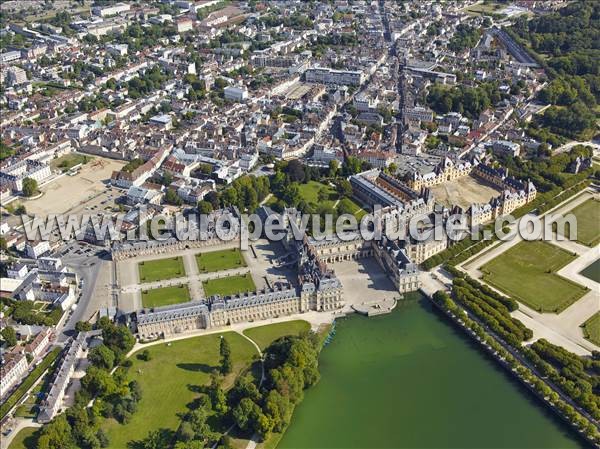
point(37, 248)
point(111, 10)
point(325, 75)
point(12, 371)
point(234, 93)
point(506, 148)
point(52, 404)
point(13, 175)
point(15, 76)
point(39, 344)
point(184, 25)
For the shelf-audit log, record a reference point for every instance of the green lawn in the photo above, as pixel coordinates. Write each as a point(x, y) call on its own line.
point(263, 336)
point(170, 381)
point(310, 193)
point(588, 222)
point(591, 329)
point(66, 162)
point(160, 269)
point(220, 260)
point(25, 439)
point(157, 297)
point(527, 272)
point(229, 285)
point(348, 204)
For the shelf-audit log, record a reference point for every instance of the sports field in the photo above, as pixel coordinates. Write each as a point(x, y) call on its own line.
point(170, 381)
point(527, 272)
point(161, 269)
point(164, 296)
point(591, 329)
point(220, 260)
point(263, 336)
point(588, 222)
point(230, 285)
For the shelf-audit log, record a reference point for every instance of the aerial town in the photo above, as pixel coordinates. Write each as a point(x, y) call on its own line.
point(122, 119)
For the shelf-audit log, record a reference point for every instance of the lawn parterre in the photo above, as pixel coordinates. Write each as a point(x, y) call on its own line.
point(229, 285)
point(263, 336)
point(588, 222)
point(164, 296)
point(25, 439)
point(161, 269)
point(591, 329)
point(527, 272)
point(220, 260)
point(170, 381)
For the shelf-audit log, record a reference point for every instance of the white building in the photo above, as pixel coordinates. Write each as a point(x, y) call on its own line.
point(12, 371)
point(37, 248)
point(324, 75)
point(234, 93)
point(112, 10)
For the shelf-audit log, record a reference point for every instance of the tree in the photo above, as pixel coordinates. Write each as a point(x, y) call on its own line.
point(344, 188)
point(145, 355)
point(102, 357)
point(217, 395)
point(83, 326)
point(334, 166)
point(172, 198)
point(9, 336)
point(295, 170)
point(204, 207)
point(213, 198)
point(225, 352)
point(98, 381)
point(30, 187)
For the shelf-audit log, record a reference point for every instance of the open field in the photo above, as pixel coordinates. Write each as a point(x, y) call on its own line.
point(310, 193)
point(230, 285)
point(24, 439)
point(164, 296)
point(69, 192)
point(588, 222)
point(220, 260)
point(161, 269)
point(263, 336)
point(66, 162)
point(482, 9)
point(527, 272)
point(464, 192)
point(170, 381)
point(591, 329)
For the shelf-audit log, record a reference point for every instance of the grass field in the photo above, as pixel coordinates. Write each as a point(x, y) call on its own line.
point(591, 329)
point(588, 222)
point(229, 285)
point(66, 162)
point(310, 193)
point(263, 336)
point(160, 269)
point(170, 381)
point(157, 297)
point(220, 260)
point(527, 272)
point(24, 439)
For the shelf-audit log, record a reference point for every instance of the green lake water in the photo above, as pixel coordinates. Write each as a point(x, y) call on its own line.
point(412, 380)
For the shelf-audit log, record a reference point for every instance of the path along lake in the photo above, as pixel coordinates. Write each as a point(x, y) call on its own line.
point(412, 380)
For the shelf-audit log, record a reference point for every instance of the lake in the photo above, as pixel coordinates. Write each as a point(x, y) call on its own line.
point(410, 379)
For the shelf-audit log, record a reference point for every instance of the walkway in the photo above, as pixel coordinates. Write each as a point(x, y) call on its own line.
point(562, 329)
